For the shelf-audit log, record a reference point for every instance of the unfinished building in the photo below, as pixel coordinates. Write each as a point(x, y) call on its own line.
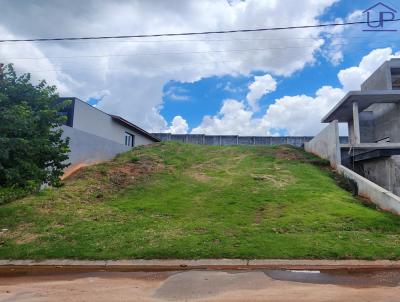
point(373, 118)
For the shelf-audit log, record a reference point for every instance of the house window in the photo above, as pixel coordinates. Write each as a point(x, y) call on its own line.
point(129, 139)
point(68, 112)
point(395, 78)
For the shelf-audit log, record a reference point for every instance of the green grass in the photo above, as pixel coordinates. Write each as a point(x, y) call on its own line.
point(173, 200)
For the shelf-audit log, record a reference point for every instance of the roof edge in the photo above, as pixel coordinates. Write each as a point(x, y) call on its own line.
point(137, 128)
point(334, 108)
point(349, 94)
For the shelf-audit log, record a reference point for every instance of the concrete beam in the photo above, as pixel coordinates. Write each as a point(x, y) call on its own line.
point(373, 146)
point(356, 124)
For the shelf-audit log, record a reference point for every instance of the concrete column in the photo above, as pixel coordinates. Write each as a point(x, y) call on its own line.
point(356, 123)
point(351, 131)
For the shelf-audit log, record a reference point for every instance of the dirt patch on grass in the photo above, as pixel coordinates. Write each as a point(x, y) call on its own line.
point(276, 176)
point(95, 182)
point(21, 235)
point(259, 215)
point(201, 177)
point(26, 238)
point(274, 180)
point(126, 170)
point(270, 211)
point(288, 153)
point(228, 166)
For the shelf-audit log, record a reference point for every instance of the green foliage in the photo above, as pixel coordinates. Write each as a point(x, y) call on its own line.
point(201, 202)
point(32, 151)
point(135, 159)
point(12, 193)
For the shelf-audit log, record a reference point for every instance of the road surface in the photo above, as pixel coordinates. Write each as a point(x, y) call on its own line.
point(197, 285)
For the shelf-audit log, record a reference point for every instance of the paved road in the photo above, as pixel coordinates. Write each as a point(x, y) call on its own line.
point(260, 285)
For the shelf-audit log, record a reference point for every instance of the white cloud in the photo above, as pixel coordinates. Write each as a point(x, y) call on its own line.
point(229, 87)
point(8, 51)
point(301, 114)
point(233, 118)
point(351, 78)
point(355, 16)
point(261, 86)
point(298, 114)
point(133, 71)
point(177, 97)
point(336, 37)
point(179, 125)
point(177, 93)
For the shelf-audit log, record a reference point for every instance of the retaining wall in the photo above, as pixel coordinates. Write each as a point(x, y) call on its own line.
point(326, 144)
point(383, 198)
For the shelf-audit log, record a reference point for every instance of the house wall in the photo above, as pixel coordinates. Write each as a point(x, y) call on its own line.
point(387, 122)
point(91, 120)
point(87, 148)
point(380, 79)
point(381, 122)
point(367, 127)
point(383, 171)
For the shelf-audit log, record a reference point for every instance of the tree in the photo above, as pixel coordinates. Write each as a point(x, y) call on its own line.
point(32, 151)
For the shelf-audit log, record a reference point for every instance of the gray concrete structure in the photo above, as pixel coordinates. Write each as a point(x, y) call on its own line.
point(386, 77)
point(372, 157)
point(96, 136)
point(383, 198)
point(326, 144)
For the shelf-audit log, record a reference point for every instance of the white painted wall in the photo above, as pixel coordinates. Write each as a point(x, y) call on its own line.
point(94, 121)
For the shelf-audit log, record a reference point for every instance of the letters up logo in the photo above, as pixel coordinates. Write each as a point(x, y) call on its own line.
point(379, 17)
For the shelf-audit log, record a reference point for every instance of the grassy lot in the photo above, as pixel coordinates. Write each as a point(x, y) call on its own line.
point(173, 200)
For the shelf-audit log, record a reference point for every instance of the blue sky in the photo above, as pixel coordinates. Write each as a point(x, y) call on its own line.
point(205, 97)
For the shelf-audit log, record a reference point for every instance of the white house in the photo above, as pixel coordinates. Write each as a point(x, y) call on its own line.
point(96, 136)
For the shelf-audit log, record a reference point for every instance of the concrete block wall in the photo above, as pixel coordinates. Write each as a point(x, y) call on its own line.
point(225, 140)
point(326, 144)
point(384, 171)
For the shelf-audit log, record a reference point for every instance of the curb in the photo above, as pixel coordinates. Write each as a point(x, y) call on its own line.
point(65, 266)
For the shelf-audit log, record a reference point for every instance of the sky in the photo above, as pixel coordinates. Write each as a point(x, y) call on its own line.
point(264, 83)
